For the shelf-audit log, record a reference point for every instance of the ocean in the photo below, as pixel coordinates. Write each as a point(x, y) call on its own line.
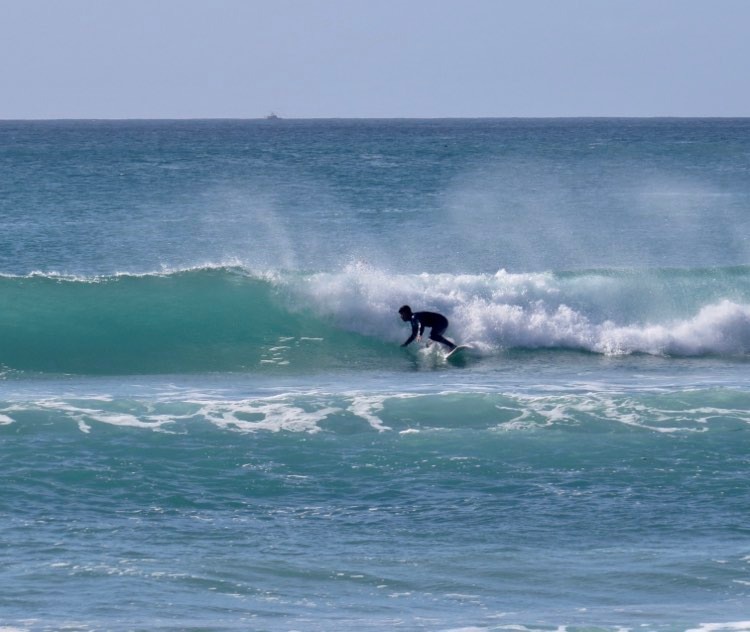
point(207, 421)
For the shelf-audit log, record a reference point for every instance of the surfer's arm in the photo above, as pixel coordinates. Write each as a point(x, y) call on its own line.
point(414, 328)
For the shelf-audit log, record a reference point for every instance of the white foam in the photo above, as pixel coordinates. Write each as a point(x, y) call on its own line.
point(733, 626)
point(366, 407)
point(722, 328)
point(271, 414)
point(84, 412)
point(613, 407)
point(530, 311)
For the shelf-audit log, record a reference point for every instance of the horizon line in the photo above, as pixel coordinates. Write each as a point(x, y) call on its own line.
point(279, 119)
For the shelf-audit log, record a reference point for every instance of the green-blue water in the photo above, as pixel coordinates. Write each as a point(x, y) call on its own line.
point(207, 423)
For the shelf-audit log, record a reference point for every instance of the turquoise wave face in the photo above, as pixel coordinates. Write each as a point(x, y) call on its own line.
point(197, 321)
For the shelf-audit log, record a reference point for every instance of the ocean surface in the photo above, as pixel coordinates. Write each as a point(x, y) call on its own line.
point(207, 422)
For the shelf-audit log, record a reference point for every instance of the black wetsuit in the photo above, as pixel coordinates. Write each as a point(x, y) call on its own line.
point(437, 324)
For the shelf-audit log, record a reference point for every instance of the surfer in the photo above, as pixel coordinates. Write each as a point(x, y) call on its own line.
point(419, 320)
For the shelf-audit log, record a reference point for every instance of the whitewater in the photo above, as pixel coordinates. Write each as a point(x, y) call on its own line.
point(207, 420)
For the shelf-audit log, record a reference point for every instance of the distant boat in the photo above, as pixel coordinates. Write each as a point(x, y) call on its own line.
point(272, 117)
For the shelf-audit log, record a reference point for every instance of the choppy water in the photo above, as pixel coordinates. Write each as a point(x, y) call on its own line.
point(206, 421)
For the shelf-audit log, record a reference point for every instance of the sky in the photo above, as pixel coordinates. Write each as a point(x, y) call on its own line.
point(373, 58)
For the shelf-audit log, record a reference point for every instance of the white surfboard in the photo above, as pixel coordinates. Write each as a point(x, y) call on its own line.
point(456, 351)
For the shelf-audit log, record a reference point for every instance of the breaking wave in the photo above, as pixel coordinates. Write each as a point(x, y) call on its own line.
point(223, 319)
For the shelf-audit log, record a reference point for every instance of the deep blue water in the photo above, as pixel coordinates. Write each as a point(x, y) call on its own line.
point(207, 423)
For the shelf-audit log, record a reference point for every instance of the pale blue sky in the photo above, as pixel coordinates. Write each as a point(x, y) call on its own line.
point(373, 58)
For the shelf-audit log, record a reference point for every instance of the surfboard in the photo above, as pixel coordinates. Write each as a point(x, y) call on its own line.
point(456, 352)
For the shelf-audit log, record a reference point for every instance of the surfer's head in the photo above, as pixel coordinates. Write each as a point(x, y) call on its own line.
point(405, 312)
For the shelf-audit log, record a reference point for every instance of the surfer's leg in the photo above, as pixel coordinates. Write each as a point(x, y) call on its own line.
point(437, 336)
